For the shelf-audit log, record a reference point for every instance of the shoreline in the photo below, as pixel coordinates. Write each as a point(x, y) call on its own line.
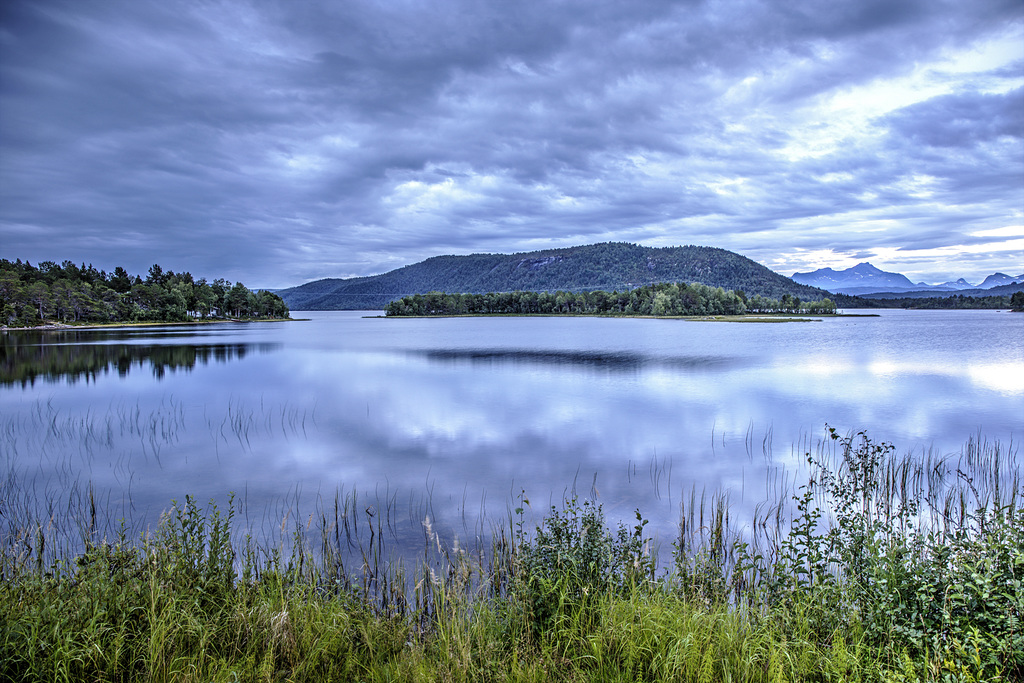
point(751, 318)
point(51, 327)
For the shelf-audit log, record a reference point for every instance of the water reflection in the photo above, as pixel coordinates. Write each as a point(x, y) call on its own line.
point(30, 357)
point(456, 419)
point(616, 361)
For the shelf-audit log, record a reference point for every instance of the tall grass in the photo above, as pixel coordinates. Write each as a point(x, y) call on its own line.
point(880, 567)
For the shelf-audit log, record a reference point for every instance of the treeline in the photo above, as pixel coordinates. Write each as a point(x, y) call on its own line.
point(956, 302)
point(662, 299)
point(33, 295)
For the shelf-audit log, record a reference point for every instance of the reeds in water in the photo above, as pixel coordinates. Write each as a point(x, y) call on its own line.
point(877, 567)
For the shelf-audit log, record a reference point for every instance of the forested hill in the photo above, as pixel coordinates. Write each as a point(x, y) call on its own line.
point(608, 266)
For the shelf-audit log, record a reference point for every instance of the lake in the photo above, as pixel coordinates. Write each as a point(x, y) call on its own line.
point(461, 419)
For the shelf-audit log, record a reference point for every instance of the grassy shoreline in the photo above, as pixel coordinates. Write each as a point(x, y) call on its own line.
point(881, 568)
point(147, 323)
point(745, 318)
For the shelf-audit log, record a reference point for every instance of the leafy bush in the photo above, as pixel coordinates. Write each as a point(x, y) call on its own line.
point(192, 553)
point(572, 559)
point(858, 558)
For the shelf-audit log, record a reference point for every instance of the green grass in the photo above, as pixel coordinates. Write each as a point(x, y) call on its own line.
point(882, 568)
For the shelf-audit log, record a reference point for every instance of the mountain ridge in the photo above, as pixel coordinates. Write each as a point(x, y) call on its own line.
point(864, 279)
point(608, 266)
point(860, 275)
point(998, 290)
point(999, 279)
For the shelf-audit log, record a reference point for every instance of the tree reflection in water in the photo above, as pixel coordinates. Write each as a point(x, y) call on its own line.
point(28, 357)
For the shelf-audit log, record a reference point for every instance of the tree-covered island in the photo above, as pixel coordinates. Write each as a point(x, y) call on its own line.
point(661, 299)
point(31, 296)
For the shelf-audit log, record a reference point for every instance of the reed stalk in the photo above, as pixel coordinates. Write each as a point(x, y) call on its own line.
point(878, 567)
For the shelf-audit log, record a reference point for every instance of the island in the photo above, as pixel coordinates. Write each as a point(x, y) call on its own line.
point(663, 299)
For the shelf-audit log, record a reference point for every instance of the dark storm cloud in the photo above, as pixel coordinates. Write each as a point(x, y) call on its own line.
point(280, 142)
point(962, 120)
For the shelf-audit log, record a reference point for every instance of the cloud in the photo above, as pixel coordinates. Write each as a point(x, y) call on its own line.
point(964, 120)
point(281, 142)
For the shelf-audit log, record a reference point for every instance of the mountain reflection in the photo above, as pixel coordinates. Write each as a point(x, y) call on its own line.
point(616, 361)
point(26, 358)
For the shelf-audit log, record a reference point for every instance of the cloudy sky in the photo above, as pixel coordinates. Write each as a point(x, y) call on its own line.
point(276, 142)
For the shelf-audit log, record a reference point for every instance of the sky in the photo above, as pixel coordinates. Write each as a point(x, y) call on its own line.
point(278, 142)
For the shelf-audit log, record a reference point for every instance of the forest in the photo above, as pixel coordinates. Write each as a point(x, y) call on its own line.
point(953, 302)
point(661, 299)
point(31, 296)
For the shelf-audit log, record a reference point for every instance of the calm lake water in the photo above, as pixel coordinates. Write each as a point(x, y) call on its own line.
point(456, 417)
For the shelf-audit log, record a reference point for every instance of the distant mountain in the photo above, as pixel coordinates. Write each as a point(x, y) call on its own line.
point(948, 286)
point(999, 279)
point(863, 277)
point(608, 266)
point(874, 289)
point(920, 293)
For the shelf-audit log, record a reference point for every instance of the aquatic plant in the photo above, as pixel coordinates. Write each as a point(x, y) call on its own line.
point(880, 567)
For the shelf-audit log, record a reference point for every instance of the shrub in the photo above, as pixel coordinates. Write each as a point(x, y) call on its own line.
point(572, 559)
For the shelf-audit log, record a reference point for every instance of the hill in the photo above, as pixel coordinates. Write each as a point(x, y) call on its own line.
point(608, 266)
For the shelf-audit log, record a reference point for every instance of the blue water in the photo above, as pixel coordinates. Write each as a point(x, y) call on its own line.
point(460, 417)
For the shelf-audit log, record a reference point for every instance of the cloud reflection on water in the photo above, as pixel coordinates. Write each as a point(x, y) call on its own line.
point(459, 416)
